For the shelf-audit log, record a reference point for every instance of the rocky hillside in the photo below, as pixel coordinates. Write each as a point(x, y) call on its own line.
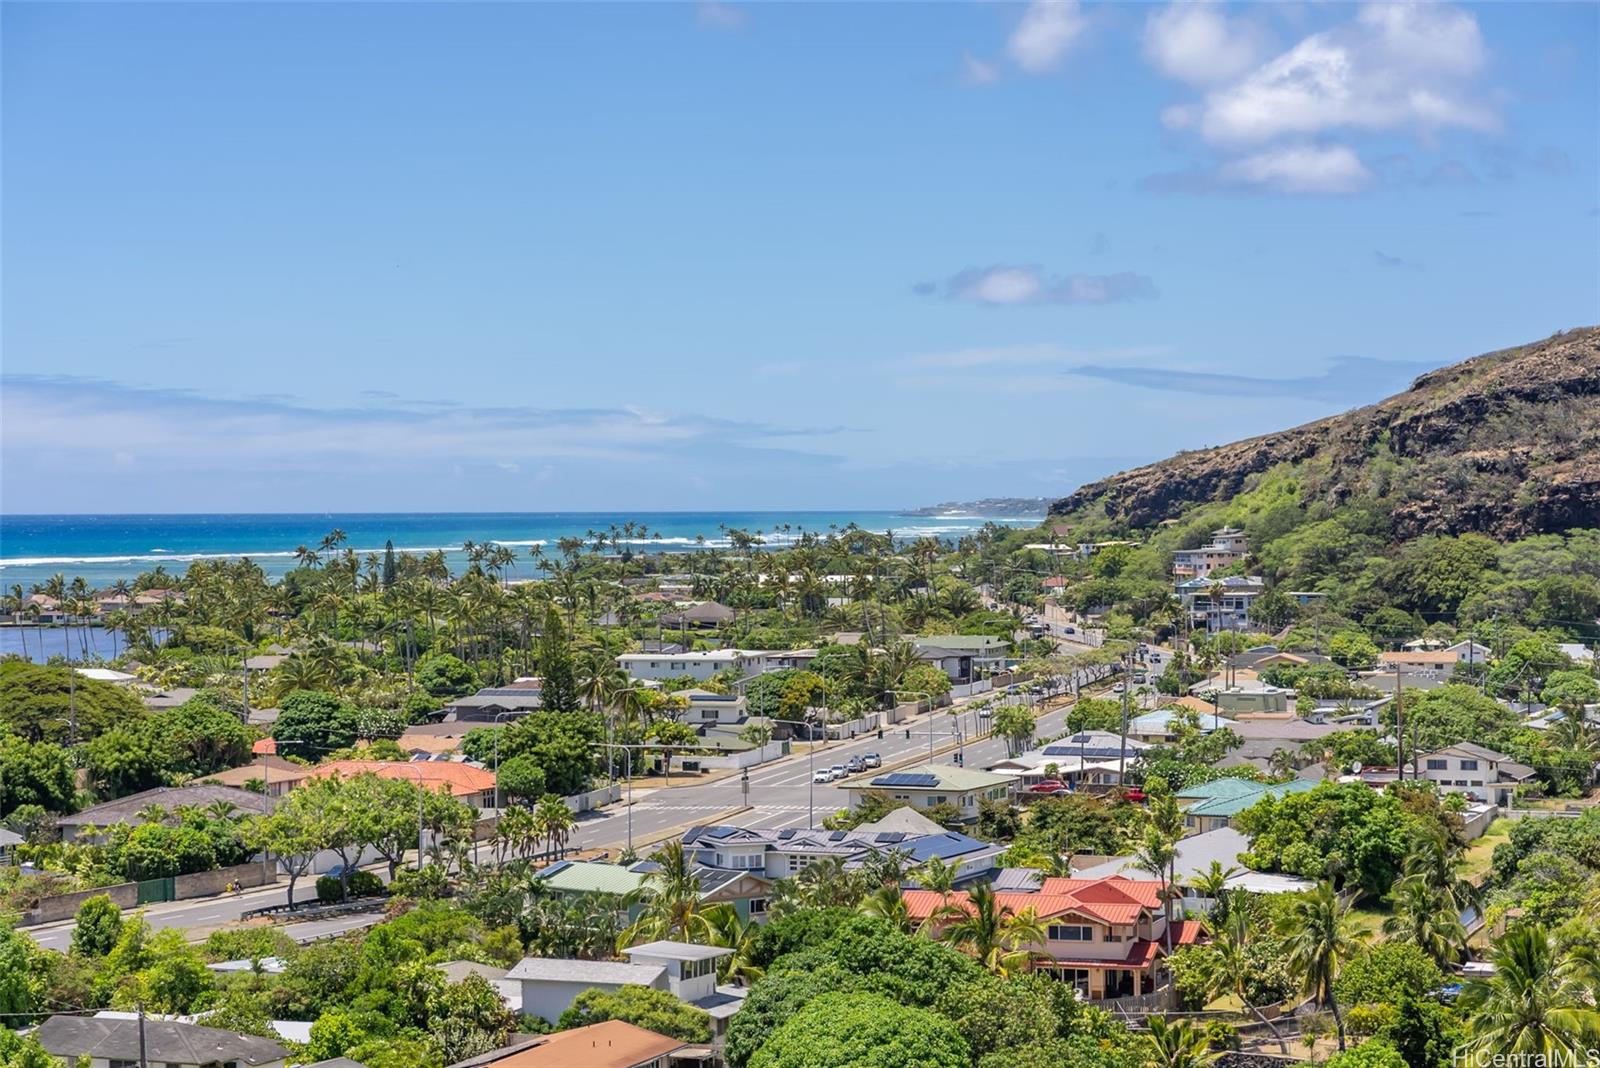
point(1507, 444)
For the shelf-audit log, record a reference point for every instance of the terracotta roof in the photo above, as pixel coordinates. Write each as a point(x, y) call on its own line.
point(461, 779)
point(612, 1044)
point(1115, 899)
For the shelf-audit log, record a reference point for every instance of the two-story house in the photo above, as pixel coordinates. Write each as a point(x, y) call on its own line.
point(1227, 547)
point(1107, 937)
point(1212, 805)
point(691, 975)
point(1480, 773)
point(1220, 604)
point(779, 854)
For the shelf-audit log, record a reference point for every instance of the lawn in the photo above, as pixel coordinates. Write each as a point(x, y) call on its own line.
point(1474, 863)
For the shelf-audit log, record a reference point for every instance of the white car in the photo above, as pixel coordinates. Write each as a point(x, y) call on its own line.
point(822, 776)
point(839, 771)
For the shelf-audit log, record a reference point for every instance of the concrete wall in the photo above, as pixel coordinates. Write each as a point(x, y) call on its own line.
point(64, 906)
point(548, 999)
point(207, 883)
point(594, 798)
point(748, 758)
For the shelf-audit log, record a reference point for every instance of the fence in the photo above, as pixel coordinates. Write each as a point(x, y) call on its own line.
point(748, 758)
point(593, 799)
point(148, 892)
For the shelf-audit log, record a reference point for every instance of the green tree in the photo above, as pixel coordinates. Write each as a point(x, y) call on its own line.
point(52, 703)
point(853, 1030)
point(642, 1006)
point(1317, 930)
point(444, 675)
point(96, 927)
point(1352, 649)
point(1014, 723)
point(558, 690)
point(36, 774)
point(312, 724)
point(1540, 1003)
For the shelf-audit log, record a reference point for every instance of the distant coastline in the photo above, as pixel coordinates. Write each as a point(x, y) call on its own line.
point(105, 548)
point(1010, 508)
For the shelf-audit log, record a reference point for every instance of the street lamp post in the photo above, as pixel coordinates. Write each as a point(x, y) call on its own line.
point(811, 769)
point(920, 693)
point(497, 717)
point(422, 791)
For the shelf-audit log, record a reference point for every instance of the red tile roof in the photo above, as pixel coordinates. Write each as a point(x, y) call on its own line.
point(1114, 899)
point(461, 779)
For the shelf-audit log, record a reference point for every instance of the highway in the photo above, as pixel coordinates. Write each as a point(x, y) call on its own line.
point(781, 794)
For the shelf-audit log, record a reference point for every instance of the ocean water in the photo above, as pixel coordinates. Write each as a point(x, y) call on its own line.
point(104, 548)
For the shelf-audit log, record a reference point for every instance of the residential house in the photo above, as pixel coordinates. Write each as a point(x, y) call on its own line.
point(1164, 724)
point(1221, 604)
point(1195, 855)
point(705, 708)
point(1218, 803)
point(609, 1044)
point(269, 774)
point(434, 739)
point(165, 798)
point(746, 891)
point(9, 841)
point(703, 664)
point(1088, 760)
point(510, 990)
point(777, 854)
point(550, 985)
point(1228, 546)
point(40, 608)
point(1307, 598)
point(514, 699)
point(931, 785)
point(963, 657)
point(704, 614)
point(116, 1043)
point(1107, 937)
point(465, 782)
point(692, 976)
point(1464, 768)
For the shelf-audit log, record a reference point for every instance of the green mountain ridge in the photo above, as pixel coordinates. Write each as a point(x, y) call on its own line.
point(1505, 444)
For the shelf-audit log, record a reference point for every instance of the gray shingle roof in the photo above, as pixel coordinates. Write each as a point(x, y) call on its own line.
point(677, 951)
point(561, 970)
point(124, 809)
point(165, 1040)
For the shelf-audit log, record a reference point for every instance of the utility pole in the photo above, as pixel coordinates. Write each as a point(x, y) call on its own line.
point(1399, 727)
point(143, 1061)
point(1122, 757)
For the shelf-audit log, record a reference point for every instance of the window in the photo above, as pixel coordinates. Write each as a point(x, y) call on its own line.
point(1469, 765)
point(758, 906)
point(694, 969)
point(115, 1063)
point(1438, 765)
point(1068, 932)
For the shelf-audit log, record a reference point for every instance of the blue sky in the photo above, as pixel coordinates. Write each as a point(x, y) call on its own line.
point(411, 257)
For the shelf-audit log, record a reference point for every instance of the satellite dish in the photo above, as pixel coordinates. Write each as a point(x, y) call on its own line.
point(1355, 769)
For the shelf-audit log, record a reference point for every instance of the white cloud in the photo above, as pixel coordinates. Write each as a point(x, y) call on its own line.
point(975, 71)
point(1048, 29)
point(1407, 67)
point(718, 16)
point(1299, 169)
point(1199, 44)
point(1012, 285)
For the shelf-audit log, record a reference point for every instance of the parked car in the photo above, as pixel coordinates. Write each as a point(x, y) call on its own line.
point(855, 764)
point(1049, 786)
point(872, 760)
point(838, 771)
point(822, 775)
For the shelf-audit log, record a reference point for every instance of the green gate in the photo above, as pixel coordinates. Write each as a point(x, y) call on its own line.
point(151, 890)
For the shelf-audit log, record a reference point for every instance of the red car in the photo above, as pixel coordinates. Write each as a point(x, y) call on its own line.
point(1136, 796)
point(1049, 786)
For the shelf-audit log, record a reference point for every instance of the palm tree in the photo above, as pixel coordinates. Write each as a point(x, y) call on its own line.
point(1540, 1003)
point(993, 933)
point(1429, 920)
point(1319, 940)
point(1232, 939)
point(670, 900)
point(732, 932)
point(1178, 1044)
point(887, 903)
point(555, 822)
point(1213, 883)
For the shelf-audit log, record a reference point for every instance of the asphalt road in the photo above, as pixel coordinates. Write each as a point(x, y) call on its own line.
point(781, 794)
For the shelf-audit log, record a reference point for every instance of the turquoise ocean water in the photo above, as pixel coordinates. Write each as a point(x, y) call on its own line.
point(105, 548)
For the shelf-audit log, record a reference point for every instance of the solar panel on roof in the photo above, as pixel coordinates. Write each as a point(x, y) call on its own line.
point(836, 836)
point(904, 778)
point(721, 832)
point(892, 836)
point(786, 835)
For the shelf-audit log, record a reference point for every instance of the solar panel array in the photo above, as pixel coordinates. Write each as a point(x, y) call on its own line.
point(906, 778)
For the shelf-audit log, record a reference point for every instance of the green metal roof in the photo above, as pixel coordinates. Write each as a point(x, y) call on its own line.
point(1231, 800)
point(588, 877)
